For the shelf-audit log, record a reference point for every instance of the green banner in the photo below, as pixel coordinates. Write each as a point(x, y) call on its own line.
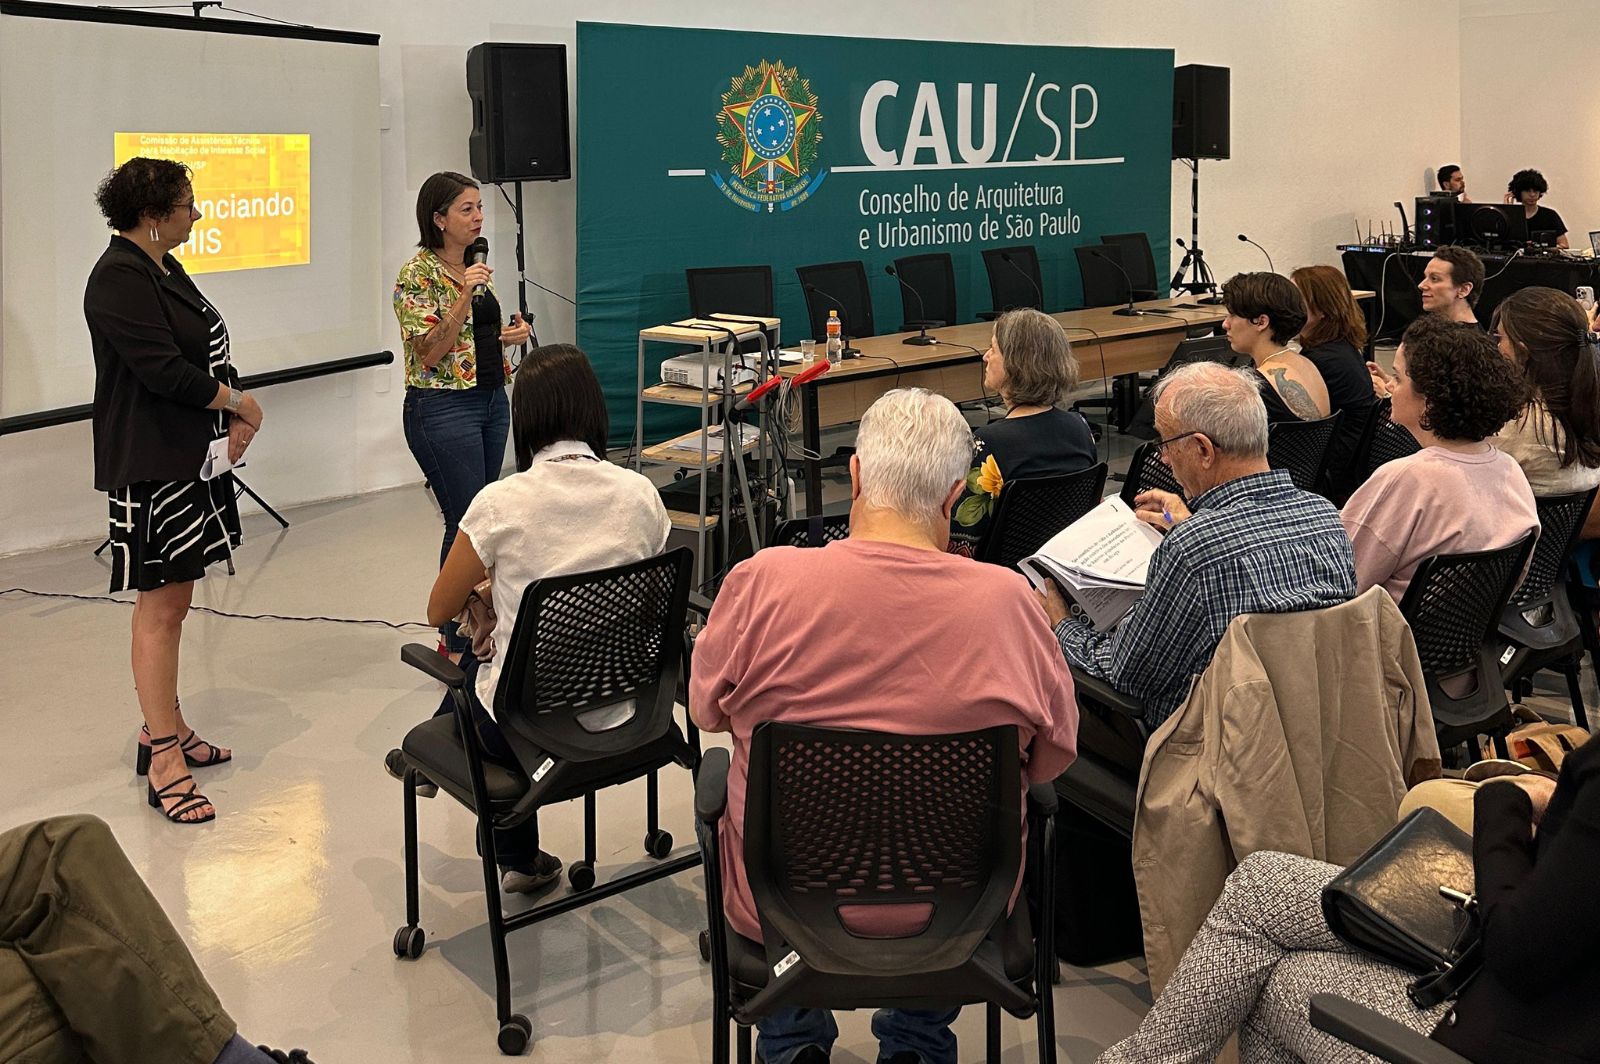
point(725, 148)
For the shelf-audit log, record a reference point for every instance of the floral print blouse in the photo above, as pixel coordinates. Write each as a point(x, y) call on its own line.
point(1041, 445)
point(423, 294)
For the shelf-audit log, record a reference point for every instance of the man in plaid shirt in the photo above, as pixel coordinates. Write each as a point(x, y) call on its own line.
point(1250, 542)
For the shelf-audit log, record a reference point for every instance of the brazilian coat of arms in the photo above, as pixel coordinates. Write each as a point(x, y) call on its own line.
point(770, 132)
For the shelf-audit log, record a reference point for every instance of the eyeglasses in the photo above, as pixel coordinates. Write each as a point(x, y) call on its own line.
point(1161, 445)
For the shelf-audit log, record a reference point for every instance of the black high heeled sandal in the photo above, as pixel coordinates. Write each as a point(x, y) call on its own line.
point(294, 1056)
point(182, 801)
point(141, 764)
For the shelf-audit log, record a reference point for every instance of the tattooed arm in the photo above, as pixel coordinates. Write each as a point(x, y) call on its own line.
point(1294, 395)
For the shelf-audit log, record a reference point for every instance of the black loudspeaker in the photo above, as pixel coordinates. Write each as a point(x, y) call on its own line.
point(1200, 123)
point(1436, 221)
point(519, 112)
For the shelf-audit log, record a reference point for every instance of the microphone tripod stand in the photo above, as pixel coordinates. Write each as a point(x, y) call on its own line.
point(1194, 260)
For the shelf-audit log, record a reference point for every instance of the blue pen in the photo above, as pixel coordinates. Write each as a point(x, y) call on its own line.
point(1166, 515)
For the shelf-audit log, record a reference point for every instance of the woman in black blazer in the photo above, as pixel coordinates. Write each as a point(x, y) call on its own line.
point(164, 390)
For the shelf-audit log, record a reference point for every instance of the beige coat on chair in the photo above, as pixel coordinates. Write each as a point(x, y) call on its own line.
point(1302, 736)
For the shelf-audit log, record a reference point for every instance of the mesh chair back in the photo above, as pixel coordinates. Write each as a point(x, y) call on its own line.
point(1389, 441)
point(840, 286)
point(1561, 520)
point(1034, 509)
point(1201, 349)
point(1147, 471)
point(934, 279)
point(1453, 604)
point(840, 818)
point(1103, 284)
point(1136, 259)
point(1301, 448)
point(730, 290)
point(594, 659)
point(796, 532)
point(1014, 283)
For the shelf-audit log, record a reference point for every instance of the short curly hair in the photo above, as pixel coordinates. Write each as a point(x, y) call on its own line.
point(1469, 390)
point(141, 187)
point(1527, 181)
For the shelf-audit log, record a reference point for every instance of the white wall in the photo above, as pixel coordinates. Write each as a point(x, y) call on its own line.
point(1526, 103)
point(1327, 131)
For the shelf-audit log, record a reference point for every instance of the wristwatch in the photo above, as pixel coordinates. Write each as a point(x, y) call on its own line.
point(235, 400)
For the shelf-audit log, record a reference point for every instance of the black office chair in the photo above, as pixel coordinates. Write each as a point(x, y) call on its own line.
point(1033, 509)
point(1373, 1032)
point(1301, 448)
point(1146, 471)
point(585, 700)
point(1454, 604)
point(933, 278)
point(1382, 442)
point(796, 532)
point(730, 290)
point(1014, 279)
point(1103, 283)
point(1130, 398)
point(840, 286)
point(838, 818)
point(1138, 260)
point(1538, 627)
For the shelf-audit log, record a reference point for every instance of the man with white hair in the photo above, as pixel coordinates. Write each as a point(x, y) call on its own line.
point(1248, 541)
point(883, 631)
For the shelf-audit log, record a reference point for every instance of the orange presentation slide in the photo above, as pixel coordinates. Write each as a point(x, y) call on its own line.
point(253, 191)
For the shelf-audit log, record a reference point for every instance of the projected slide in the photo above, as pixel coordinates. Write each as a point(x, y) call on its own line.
point(253, 191)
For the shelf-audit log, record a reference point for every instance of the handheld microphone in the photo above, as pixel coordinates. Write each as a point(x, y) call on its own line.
point(1005, 257)
point(1261, 249)
point(1130, 310)
point(478, 254)
point(922, 339)
point(844, 325)
point(805, 376)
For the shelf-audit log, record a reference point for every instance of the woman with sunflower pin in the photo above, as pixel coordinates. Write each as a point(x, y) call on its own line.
point(1030, 365)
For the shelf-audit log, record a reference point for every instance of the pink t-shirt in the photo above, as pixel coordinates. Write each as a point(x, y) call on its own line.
point(1434, 502)
point(865, 634)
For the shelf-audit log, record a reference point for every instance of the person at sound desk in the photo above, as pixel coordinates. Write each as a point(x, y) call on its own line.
point(1545, 226)
point(457, 418)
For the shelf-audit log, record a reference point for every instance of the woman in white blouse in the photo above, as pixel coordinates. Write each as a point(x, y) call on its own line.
point(565, 510)
point(1556, 439)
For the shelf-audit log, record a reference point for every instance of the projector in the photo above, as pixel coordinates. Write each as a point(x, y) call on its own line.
point(702, 370)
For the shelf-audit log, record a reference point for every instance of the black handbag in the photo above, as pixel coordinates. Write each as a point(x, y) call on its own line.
point(1390, 903)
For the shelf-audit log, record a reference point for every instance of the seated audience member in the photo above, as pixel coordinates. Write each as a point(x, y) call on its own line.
point(1030, 365)
point(1452, 389)
point(1265, 311)
point(1332, 339)
point(1556, 438)
point(1266, 948)
point(1450, 286)
point(1453, 183)
point(1249, 541)
point(91, 969)
point(902, 614)
point(566, 510)
point(1545, 226)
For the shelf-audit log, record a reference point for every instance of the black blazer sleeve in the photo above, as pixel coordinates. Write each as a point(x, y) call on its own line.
point(126, 307)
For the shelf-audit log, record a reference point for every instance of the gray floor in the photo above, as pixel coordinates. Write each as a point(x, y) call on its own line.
point(290, 898)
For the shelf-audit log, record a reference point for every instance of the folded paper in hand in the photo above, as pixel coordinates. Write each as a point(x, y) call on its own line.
point(1100, 561)
point(216, 462)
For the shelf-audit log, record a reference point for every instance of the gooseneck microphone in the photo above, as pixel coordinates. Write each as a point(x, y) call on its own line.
point(1261, 249)
point(478, 254)
point(844, 325)
point(1005, 257)
point(1129, 311)
point(922, 339)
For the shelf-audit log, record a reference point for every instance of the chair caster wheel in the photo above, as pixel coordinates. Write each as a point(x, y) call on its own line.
point(408, 942)
point(581, 875)
point(658, 844)
point(705, 946)
point(514, 1035)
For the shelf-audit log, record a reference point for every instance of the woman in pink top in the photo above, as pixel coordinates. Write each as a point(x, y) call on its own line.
point(1452, 389)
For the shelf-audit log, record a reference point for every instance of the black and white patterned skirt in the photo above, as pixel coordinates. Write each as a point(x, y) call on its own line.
point(167, 532)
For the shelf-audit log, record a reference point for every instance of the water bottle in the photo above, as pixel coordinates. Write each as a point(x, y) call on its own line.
point(835, 338)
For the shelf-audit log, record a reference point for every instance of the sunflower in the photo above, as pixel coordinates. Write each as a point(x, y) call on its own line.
point(989, 479)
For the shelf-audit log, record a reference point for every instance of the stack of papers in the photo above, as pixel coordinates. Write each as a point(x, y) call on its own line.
point(690, 441)
point(1100, 561)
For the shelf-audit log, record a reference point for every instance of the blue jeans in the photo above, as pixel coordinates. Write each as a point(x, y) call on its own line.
point(459, 440)
point(786, 1032)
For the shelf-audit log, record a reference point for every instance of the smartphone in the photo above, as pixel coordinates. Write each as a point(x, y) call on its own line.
point(1586, 297)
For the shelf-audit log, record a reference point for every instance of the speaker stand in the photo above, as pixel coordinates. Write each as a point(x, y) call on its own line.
point(1194, 260)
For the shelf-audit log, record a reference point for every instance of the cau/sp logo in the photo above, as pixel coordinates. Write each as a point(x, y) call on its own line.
point(770, 131)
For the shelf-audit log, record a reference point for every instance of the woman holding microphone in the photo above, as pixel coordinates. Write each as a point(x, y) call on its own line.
point(165, 388)
point(457, 417)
